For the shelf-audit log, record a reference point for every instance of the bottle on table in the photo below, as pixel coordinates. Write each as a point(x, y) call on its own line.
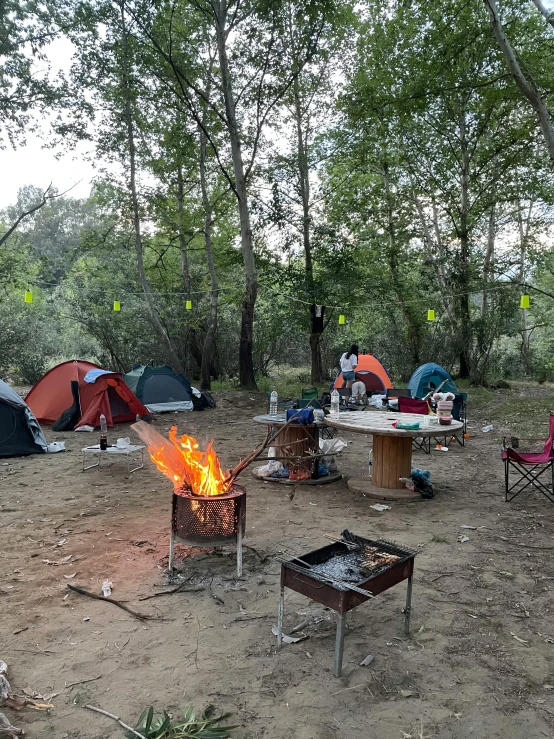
point(103, 432)
point(335, 402)
point(273, 399)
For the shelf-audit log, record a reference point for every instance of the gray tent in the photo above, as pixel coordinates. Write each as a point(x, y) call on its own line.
point(20, 432)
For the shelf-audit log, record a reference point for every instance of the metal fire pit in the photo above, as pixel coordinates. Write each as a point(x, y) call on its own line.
point(208, 521)
point(331, 576)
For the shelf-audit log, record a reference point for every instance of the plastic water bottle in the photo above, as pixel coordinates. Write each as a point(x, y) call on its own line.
point(137, 418)
point(335, 401)
point(103, 432)
point(273, 398)
point(370, 462)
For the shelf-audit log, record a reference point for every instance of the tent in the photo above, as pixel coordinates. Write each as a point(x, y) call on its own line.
point(98, 391)
point(428, 377)
point(160, 388)
point(371, 372)
point(20, 433)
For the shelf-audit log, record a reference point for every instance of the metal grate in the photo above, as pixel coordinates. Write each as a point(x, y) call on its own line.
point(209, 520)
point(342, 563)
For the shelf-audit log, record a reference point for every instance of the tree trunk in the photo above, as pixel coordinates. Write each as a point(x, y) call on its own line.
point(185, 270)
point(246, 365)
point(435, 253)
point(525, 83)
point(524, 225)
point(413, 331)
point(488, 261)
point(463, 235)
point(304, 191)
point(128, 114)
point(317, 364)
point(209, 339)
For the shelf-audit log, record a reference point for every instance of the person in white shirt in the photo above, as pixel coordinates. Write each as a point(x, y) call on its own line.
point(348, 363)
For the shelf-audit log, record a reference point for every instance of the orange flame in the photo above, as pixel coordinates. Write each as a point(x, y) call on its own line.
point(198, 471)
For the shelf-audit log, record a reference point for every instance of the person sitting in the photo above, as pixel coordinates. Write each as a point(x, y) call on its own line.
point(359, 393)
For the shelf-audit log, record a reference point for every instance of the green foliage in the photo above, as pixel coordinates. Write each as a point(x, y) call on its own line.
point(207, 726)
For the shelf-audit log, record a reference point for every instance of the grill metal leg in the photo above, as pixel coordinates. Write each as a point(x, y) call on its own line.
point(171, 550)
point(339, 644)
point(408, 606)
point(239, 551)
point(280, 616)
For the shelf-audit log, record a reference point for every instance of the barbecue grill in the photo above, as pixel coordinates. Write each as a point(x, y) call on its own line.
point(208, 520)
point(345, 574)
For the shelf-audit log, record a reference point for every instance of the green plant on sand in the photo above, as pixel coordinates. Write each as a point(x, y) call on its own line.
point(207, 726)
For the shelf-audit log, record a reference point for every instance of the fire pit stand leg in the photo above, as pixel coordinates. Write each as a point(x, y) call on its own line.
point(339, 644)
point(280, 616)
point(171, 550)
point(239, 551)
point(408, 606)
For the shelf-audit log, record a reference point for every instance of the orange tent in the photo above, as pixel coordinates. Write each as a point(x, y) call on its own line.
point(106, 393)
point(371, 372)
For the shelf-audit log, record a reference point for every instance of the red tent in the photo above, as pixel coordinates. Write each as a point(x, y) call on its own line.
point(107, 393)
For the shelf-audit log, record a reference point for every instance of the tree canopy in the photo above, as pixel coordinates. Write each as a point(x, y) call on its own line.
point(266, 166)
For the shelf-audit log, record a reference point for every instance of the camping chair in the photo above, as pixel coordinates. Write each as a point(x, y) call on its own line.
point(415, 405)
point(395, 393)
point(310, 393)
point(529, 466)
point(308, 403)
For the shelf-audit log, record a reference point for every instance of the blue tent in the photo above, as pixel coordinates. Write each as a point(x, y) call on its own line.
point(428, 377)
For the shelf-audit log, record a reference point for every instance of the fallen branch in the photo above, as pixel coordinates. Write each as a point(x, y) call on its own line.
point(136, 614)
point(116, 718)
point(178, 589)
point(82, 682)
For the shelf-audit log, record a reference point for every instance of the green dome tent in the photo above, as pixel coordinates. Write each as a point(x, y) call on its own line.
point(160, 388)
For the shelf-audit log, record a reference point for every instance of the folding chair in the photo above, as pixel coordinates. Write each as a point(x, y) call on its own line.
point(394, 394)
point(345, 393)
point(529, 466)
point(415, 405)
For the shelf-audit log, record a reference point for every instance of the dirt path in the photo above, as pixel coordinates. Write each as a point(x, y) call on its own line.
point(479, 662)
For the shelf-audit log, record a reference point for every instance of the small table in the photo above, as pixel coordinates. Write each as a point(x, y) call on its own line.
point(302, 438)
point(392, 449)
point(127, 451)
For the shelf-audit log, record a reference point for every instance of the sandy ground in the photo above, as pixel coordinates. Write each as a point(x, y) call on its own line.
point(479, 662)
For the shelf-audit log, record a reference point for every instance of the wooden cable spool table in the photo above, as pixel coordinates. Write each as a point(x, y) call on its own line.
point(392, 449)
point(297, 444)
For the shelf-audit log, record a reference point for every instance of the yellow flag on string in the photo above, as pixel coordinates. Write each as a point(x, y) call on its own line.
point(524, 302)
point(189, 305)
point(28, 296)
point(342, 320)
point(116, 306)
point(430, 315)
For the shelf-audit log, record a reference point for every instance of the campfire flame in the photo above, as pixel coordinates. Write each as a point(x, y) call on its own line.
point(199, 472)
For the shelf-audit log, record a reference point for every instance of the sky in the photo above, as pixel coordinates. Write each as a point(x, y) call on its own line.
point(34, 165)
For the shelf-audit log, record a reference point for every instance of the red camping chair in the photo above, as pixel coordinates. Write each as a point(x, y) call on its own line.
point(529, 466)
point(415, 405)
